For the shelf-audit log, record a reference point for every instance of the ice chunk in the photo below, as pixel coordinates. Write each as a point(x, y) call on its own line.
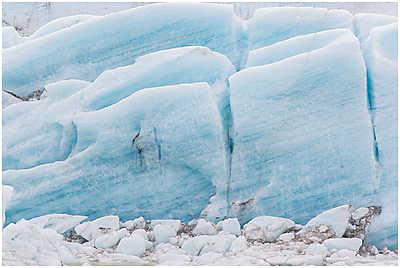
point(82, 52)
point(239, 244)
point(270, 25)
point(60, 24)
point(111, 239)
point(365, 22)
point(11, 37)
point(163, 233)
point(204, 227)
point(317, 249)
point(92, 229)
point(58, 222)
point(335, 218)
point(148, 168)
point(132, 245)
point(32, 245)
point(138, 223)
point(302, 134)
point(381, 58)
point(286, 237)
point(203, 244)
point(267, 228)
point(230, 226)
point(343, 243)
point(295, 45)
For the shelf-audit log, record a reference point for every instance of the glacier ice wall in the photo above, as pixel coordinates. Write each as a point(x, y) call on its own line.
point(381, 59)
point(144, 114)
point(301, 131)
point(157, 153)
point(85, 50)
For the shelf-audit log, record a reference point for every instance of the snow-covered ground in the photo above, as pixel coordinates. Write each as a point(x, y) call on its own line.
point(334, 237)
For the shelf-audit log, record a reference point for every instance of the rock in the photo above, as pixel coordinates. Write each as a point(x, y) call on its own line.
point(92, 229)
point(336, 218)
point(230, 226)
point(138, 223)
point(317, 249)
point(305, 260)
point(58, 222)
point(132, 245)
point(239, 244)
point(267, 228)
point(111, 239)
point(204, 227)
point(343, 243)
point(163, 233)
point(286, 237)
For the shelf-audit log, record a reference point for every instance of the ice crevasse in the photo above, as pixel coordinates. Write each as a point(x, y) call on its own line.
point(197, 112)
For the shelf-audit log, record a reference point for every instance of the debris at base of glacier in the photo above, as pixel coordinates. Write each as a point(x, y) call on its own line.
point(112, 243)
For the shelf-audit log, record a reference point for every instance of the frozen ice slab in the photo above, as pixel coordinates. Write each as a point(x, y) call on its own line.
point(364, 22)
point(302, 134)
point(83, 52)
point(381, 58)
point(158, 153)
point(295, 45)
point(38, 144)
point(271, 25)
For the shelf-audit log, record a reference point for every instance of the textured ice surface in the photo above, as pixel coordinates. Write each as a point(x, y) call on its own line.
point(270, 25)
point(83, 52)
point(305, 134)
point(134, 152)
point(365, 22)
point(8, 99)
point(381, 60)
point(11, 37)
point(301, 130)
point(187, 64)
point(60, 24)
point(295, 45)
